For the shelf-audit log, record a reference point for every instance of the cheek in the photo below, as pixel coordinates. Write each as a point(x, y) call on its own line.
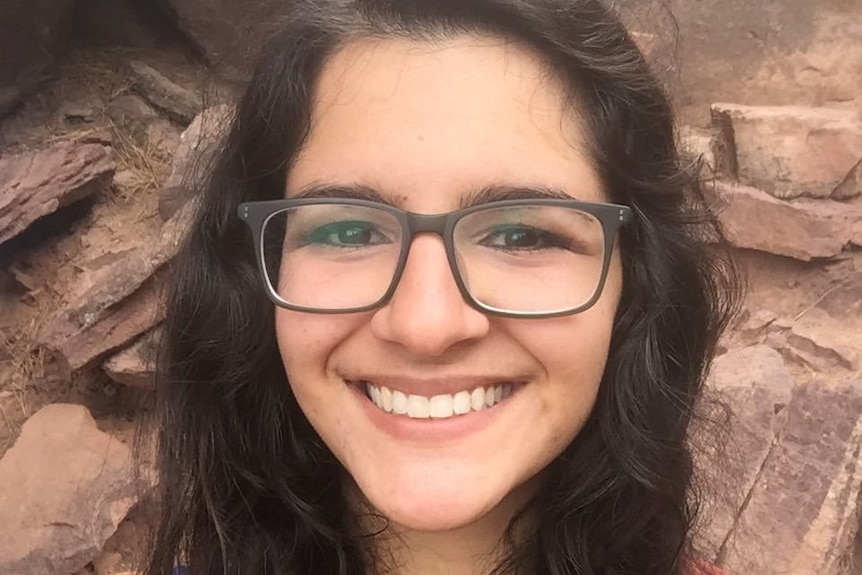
point(302, 356)
point(571, 345)
point(307, 339)
point(306, 342)
point(573, 353)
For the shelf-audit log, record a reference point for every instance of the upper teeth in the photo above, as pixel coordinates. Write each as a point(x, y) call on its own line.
point(438, 406)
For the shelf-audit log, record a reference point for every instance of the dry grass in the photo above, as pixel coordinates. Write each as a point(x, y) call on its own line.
point(137, 155)
point(26, 360)
point(23, 367)
point(105, 75)
point(142, 164)
point(26, 365)
point(102, 72)
point(97, 78)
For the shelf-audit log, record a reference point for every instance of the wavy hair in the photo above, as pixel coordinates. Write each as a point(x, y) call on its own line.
point(246, 486)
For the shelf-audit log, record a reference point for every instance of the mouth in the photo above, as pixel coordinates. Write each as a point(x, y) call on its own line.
point(443, 406)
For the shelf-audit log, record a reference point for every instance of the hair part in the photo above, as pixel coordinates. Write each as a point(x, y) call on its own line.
point(247, 486)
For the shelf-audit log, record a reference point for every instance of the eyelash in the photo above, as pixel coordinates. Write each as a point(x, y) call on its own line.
point(542, 235)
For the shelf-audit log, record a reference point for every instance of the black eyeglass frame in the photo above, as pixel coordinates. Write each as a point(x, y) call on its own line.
point(257, 213)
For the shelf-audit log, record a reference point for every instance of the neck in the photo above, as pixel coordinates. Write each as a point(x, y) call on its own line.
point(472, 549)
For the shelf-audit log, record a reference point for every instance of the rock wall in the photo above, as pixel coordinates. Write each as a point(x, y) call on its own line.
point(788, 52)
point(31, 35)
point(94, 196)
point(228, 34)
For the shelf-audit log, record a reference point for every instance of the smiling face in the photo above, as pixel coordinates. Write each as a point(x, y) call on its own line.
point(426, 126)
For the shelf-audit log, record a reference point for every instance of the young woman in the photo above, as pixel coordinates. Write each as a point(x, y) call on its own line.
point(444, 308)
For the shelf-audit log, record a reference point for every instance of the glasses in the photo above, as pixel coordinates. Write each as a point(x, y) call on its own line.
point(512, 258)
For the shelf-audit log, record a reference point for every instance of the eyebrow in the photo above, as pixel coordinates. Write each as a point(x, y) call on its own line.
point(496, 193)
point(487, 194)
point(347, 191)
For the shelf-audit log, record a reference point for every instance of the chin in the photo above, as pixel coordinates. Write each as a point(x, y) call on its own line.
point(441, 501)
point(433, 515)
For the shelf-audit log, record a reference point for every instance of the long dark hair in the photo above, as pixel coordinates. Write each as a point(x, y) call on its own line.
point(247, 486)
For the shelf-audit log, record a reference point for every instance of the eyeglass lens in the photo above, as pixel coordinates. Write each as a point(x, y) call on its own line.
point(512, 258)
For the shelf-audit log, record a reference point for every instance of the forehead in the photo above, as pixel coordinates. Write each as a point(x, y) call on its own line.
point(434, 120)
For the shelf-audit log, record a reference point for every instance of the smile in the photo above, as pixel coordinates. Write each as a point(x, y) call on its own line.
point(442, 406)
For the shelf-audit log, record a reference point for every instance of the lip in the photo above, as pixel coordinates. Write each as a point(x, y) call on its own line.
point(430, 430)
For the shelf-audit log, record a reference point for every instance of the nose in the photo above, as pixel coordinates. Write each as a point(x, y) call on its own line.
point(427, 314)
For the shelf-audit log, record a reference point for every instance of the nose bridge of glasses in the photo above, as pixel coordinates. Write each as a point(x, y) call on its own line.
point(435, 224)
point(426, 224)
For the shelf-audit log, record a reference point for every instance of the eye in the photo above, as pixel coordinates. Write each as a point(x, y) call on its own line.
point(521, 238)
point(353, 233)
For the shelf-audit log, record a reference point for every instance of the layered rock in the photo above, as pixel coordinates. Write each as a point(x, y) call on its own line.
point(123, 302)
point(824, 338)
point(793, 52)
point(796, 469)
point(38, 183)
point(786, 177)
point(122, 289)
point(193, 158)
point(825, 343)
point(803, 229)
point(756, 386)
point(178, 102)
point(802, 514)
point(791, 151)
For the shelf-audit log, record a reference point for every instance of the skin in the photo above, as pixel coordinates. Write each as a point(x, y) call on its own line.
point(427, 124)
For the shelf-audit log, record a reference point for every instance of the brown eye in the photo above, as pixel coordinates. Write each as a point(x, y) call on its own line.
point(519, 237)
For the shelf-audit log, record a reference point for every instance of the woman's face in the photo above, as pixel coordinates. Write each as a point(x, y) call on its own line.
point(427, 125)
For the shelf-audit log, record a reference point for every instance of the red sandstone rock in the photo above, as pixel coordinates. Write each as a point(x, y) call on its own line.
point(843, 302)
point(135, 366)
point(179, 102)
point(76, 344)
point(198, 143)
point(192, 158)
point(851, 185)
point(802, 229)
point(802, 515)
point(123, 302)
point(756, 385)
point(64, 488)
point(791, 151)
point(35, 184)
point(827, 342)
